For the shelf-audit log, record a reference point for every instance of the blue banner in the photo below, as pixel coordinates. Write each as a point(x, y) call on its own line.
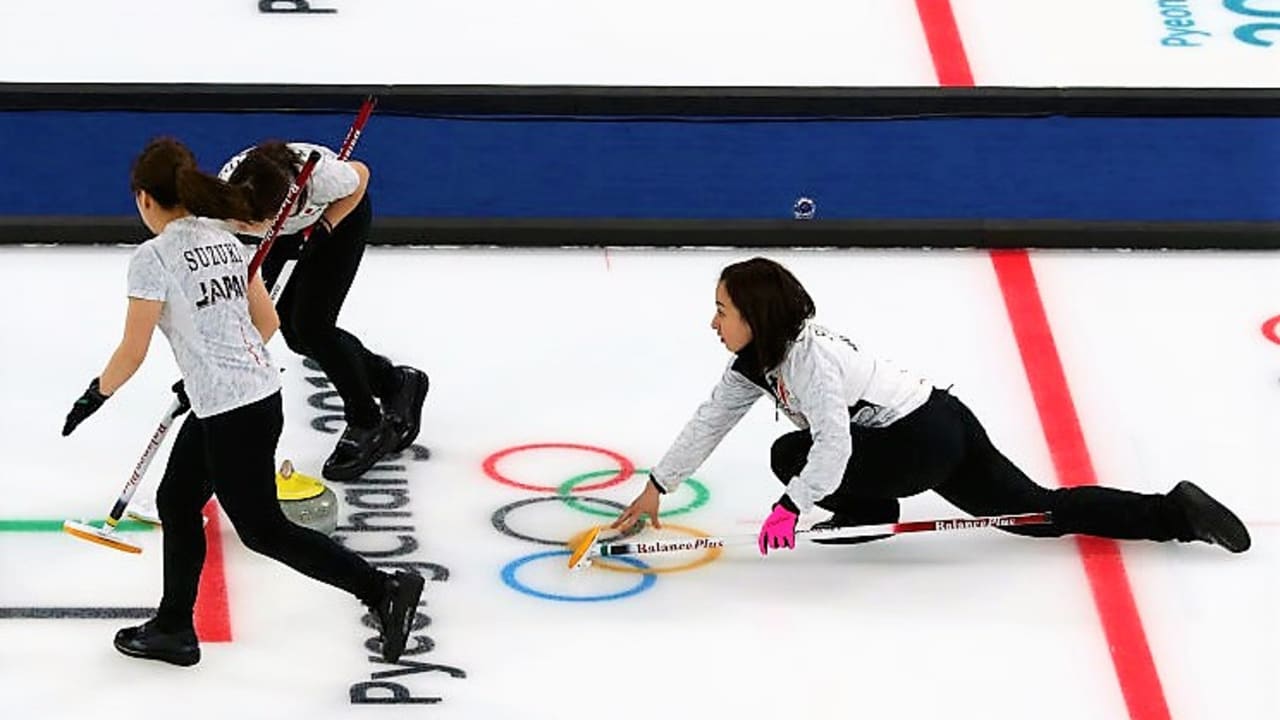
point(1091, 169)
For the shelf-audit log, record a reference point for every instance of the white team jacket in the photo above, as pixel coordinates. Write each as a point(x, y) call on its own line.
point(823, 384)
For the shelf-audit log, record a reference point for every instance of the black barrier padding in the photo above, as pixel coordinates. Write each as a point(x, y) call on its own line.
point(711, 233)
point(580, 101)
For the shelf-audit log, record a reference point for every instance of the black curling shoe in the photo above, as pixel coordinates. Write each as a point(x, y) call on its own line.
point(1209, 519)
point(396, 611)
point(146, 641)
point(839, 521)
point(404, 408)
point(358, 450)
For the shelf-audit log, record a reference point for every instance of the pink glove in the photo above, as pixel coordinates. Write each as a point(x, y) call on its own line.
point(779, 529)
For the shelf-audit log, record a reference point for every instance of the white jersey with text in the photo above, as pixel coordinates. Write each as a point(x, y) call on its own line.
point(199, 271)
point(332, 179)
point(823, 384)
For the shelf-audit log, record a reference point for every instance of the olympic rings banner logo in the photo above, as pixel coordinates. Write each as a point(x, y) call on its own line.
point(597, 511)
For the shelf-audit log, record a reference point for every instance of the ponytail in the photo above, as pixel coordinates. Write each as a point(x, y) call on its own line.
point(265, 183)
point(207, 196)
point(267, 171)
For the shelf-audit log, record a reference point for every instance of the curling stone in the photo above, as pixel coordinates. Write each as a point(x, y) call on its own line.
point(305, 500)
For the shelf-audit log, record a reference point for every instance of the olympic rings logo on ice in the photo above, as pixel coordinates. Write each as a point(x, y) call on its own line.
point(566, 493)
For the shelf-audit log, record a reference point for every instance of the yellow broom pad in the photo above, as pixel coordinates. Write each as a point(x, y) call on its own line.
point(101, 536)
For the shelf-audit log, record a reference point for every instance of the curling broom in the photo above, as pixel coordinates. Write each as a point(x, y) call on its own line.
point(585, 548)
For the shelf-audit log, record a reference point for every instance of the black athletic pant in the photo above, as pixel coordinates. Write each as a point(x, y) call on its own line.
point(232, 455)
point(309, 311)
point(942, 447)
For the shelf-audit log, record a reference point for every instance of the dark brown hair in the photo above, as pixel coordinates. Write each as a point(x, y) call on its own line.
point(772, 302)
point(261, 170)
point(167, 171)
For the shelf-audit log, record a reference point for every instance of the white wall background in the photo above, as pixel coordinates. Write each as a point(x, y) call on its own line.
point(803, 43)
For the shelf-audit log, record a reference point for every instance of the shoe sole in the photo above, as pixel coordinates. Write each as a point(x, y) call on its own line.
point(405, 603)
point(851, 540)
point(415, 414)
point(152, 520)
point(179, 660)
point(155, 521)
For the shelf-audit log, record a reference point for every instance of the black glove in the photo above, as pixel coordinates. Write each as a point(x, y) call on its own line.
point(184, 402)
point(87, 405)
point(319, 231)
